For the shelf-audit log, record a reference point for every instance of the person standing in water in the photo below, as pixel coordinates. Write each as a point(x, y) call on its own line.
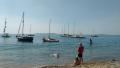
point(80, 53)
point(91, 41)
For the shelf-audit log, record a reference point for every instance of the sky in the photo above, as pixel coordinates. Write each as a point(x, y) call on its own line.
point(82, 16)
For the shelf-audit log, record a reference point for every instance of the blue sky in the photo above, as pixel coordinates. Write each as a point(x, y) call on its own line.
point(89, 16)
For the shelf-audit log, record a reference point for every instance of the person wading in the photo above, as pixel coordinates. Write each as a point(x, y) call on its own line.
point(91, 41)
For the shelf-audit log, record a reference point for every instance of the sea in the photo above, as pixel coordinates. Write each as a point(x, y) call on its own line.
point(104, 47)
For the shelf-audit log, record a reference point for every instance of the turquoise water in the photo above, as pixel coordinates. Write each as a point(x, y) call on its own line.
point(104, 47)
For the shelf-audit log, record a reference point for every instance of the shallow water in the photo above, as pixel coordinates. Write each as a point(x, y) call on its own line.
point(104, 47)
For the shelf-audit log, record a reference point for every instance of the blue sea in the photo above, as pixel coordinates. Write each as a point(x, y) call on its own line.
point(104, 47)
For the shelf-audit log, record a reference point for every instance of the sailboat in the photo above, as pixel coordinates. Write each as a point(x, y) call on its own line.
point(94, 35)
point(74, 30)
point(66, 35)
point(76, 36)
point(23, 37)
point(5, 35)
point(79, 36)
point(49, 39)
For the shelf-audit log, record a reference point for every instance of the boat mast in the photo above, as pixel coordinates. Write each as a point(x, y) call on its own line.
point(19, 29)
point(68, 29)
point(4, 31)
point(49, 27)
point(64, 28)
point(74, 29)
point(30, 28)
point(93, 32)
point(23, 24)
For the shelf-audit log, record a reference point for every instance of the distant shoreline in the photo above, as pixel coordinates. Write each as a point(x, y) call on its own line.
point(61, 34)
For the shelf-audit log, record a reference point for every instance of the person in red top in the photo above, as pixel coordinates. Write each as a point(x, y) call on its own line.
point(80, 52)
point(79, 59)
